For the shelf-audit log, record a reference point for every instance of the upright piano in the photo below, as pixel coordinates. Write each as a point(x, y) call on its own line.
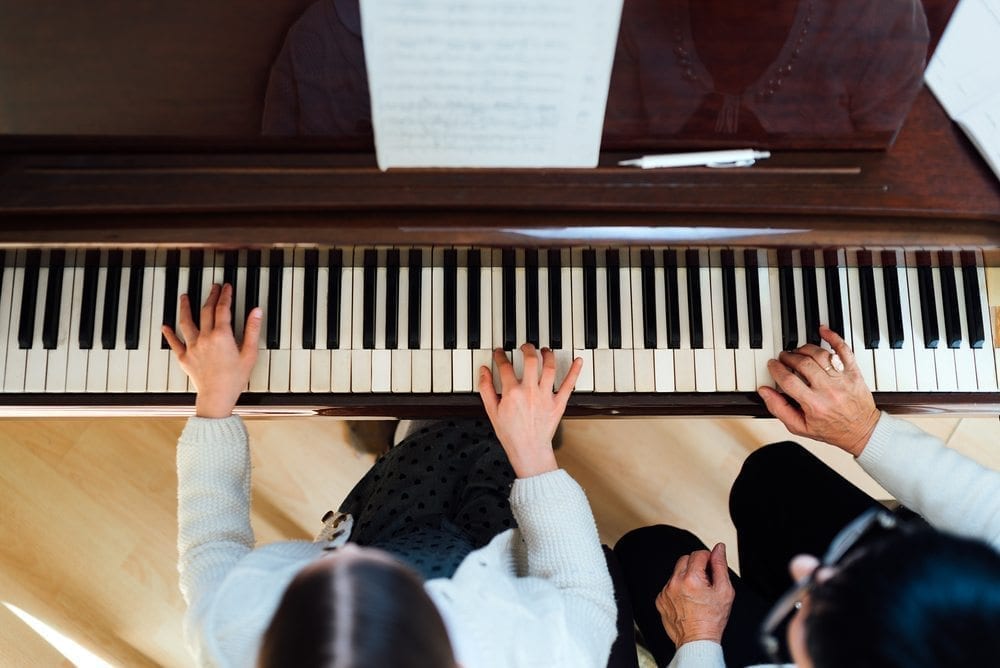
point(384, 292)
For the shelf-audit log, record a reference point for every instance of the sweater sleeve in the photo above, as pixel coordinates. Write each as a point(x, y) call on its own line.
point(213, 509)
point(949, 490)
point(562, 546)
point(698, 654)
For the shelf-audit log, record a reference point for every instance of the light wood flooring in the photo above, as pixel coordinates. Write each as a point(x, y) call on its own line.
point(88, 533)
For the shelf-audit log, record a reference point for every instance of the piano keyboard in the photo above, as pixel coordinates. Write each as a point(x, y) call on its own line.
point(423, 320)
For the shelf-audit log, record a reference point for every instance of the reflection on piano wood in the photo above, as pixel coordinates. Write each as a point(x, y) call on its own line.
point(662, 329)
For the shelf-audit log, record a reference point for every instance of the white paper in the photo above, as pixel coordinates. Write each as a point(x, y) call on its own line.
point(964, 74)
point(488, 83)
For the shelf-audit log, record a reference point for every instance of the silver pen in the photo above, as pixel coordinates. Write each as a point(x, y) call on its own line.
point(733, 158)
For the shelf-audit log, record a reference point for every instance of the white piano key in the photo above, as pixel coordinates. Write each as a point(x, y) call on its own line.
point(400, 372)
point(462, 371)
point(564, 355)
point(762, 355)
point(704, 358)
point(625, 301)
point(441, 376)
point(427, 323)
point(139, 358)
point(800, 305)
point(905, 357)
point(340, 370)
point(462, 305)
point(543, 300)
point(207, 275)
point(55, 371)
point(279, 370)
point(885, 360)
point(485, 300)
point(746, 374)
point(97, 358)
point(602, 312)
point(923, 357)
point(863, 356)
point(347, 296)
point(319, 358)
point(17, 357)
point(497, 385)
point(496, 276)
point(300, 359)
point(239, 294)
point(381, 369)
point(319, 370)
point(421, 371)
point(986, 369)
point(724, 358)
point(645, 375)
point(638, 316)
point(381, 300)
point(520, 308)
point(118, 356)
point(6, 319)
point(965, 363)
point(482, 357)
point(585, 382)
point(685, 377)
point(663, 369)
point(824, 306)
point(260, 371)
point(604, 370)
point(437, 308)
point(76, 359)
point(944, 357)
point(361, 370)
point(402, 319)
point(357, 302)
point(517, 360)
point(37, 357)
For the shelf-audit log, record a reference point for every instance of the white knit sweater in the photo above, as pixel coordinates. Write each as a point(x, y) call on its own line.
point(539, 595)
point(950, 491)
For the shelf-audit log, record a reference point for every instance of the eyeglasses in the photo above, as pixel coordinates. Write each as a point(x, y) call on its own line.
point(791, 601)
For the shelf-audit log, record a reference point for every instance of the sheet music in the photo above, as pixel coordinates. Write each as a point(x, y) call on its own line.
point(488, 83)
point(965, 77)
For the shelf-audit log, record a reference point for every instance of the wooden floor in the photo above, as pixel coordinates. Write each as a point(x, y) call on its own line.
point(88, 536)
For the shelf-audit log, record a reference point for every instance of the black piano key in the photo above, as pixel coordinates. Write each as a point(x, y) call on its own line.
point(729, 306)
point(450, 298)
point(810, 297)
point(928, 301)
point(369, 292)
point(413, 321)
point(613, 274)
point(590, 299)
point(275, 279)
point(949, 301)
point(973, 305)
point(531, 295)
point(695, 323)
point(509, 299)
point(29, 298)
point(869, 308)
point(336, 266)
point(834, 299)
point(392, 299)
point(310, 285)
point(171, 278)
point(133, 302)
point(755, 327)
point(786, 295)
point(672, 297)
point(474, 263)
point(112, 293)
point(648, 298)
point(893, 305)
point(230, 262)
point(196, 265)
point(53, 299)
point(251, 290)
point(555, 299)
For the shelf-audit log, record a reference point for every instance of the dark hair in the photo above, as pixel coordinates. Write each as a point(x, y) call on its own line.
point(910, 599)
point(357, 614)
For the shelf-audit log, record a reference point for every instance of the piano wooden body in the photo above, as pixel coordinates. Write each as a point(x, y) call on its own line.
point(929, 192)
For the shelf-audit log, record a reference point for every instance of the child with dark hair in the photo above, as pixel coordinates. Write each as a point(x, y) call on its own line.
point(469, 546)
point(908, 599)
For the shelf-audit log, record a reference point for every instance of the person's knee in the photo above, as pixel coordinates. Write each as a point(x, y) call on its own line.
point(656, 539)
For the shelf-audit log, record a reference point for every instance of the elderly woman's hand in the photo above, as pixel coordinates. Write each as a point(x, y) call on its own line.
point(210, 357)
point(526, 416)
point(696, 601)
point(835, 406)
